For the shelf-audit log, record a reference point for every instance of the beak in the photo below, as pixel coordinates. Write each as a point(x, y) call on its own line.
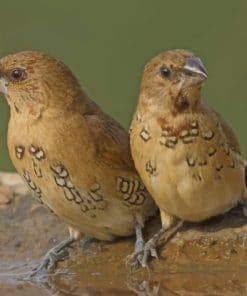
point(3, 86)
point(194, 65)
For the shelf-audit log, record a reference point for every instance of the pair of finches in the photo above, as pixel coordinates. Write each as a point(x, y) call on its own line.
point(182, 156)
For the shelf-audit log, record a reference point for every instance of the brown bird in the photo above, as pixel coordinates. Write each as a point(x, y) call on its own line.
point(74, 158)
point(186, 154)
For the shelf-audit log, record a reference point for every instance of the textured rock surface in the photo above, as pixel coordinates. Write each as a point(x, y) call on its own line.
point(206, 259)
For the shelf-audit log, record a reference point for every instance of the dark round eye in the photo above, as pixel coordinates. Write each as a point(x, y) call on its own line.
point(165, 72)
point(17, 74)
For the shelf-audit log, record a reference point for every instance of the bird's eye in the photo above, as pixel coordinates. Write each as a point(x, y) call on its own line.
point(17, 74)
point(165, 72)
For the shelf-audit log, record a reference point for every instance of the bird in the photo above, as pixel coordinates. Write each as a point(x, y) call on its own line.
point(74, 158)
point(186, 154)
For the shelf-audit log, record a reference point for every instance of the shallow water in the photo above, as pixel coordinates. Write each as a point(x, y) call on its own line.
point(209, 259)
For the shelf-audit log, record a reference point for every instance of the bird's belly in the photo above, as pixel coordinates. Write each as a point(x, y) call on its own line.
point(95, 219)
point(84, 209)
point(193, 193)
point(71, 193)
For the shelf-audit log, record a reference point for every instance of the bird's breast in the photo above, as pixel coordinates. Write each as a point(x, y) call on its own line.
point(192, 173)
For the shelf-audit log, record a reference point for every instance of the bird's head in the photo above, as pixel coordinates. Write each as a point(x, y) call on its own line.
point(173, 80)
point(32, 79)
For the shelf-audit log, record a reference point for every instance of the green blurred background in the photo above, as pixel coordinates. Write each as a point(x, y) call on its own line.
point(106, 43)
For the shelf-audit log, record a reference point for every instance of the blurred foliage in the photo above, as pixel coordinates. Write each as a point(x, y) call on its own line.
point(106, 43)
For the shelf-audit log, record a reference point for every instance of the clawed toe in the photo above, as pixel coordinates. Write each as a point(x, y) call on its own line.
point(150, 248)
point(141, 258)
point(134, 260)
point(149, 251)
point(50, 261)
point(56, 254)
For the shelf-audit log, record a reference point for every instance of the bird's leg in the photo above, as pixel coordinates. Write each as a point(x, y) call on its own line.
point(139, 244)
point(57, 253)
point(133, 259)
point(150, 247)
point(158, 239)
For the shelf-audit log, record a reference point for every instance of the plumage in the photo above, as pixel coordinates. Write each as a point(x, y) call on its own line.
point(74, 157)
point(190, 158)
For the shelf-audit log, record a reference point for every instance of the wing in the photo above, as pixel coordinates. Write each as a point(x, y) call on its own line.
point(113, 149)
point(229, 132)
point(111, 140)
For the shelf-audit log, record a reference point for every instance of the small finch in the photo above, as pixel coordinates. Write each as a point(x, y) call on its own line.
point(186, 154)
point(73, 157)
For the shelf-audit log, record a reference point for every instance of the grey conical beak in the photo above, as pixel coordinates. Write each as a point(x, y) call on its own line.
point(3, 86)
point(195, 66)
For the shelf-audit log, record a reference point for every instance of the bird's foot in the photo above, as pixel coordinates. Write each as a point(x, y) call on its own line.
point(150, 250)
point(133, 260)
point(50, 260)
point(52, 257)
point(140, 257)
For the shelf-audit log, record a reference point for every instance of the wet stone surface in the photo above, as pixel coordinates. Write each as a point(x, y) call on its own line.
point(205, 259)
